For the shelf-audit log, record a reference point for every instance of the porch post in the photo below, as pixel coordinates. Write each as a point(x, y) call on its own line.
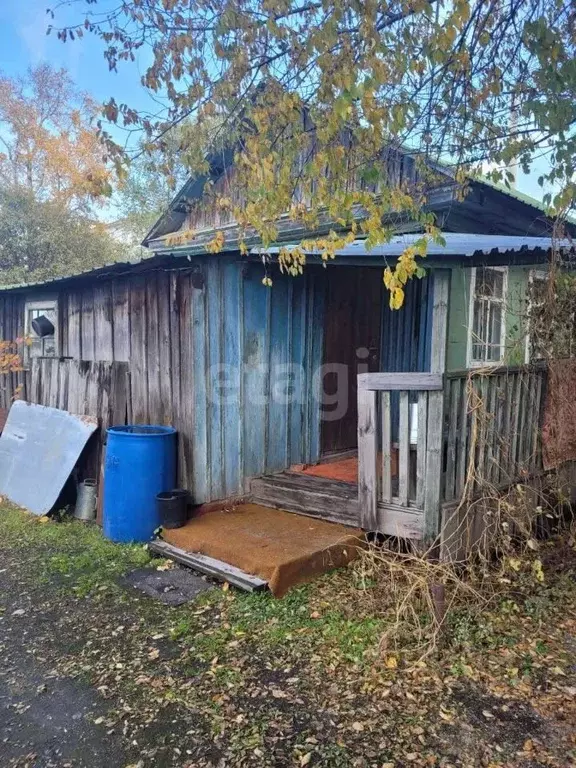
point(433, 482)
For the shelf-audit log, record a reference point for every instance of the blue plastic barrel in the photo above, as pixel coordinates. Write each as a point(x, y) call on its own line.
point(140, 463)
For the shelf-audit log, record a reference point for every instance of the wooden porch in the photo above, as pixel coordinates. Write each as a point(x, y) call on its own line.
point(428, 445)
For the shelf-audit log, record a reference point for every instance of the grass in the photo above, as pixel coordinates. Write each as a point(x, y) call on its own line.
point(83, 561)
point(75, 553)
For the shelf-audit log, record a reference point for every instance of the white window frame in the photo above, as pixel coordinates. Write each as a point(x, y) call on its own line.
point(533, 274)
point(470, 363)
point(38, 304)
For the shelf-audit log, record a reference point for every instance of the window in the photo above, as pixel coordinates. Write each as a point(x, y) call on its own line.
point(486, 330)
point(41, 338)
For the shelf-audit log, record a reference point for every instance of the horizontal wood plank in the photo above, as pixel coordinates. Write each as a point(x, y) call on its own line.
point(210, 566)
point(392, 382)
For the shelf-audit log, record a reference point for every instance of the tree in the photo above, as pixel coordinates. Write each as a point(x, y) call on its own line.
point(322, 88)
point(43, 239)
point(159, 170)
point(49, 146)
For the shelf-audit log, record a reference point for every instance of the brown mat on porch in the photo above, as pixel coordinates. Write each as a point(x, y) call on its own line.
point(281, 547)
point(345, 470)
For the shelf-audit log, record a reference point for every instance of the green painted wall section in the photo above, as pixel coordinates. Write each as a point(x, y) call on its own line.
point(458, 316)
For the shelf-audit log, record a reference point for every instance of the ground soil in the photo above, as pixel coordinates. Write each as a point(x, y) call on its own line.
point(107, 676)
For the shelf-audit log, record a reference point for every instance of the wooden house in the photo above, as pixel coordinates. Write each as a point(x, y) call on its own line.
point(311, 395)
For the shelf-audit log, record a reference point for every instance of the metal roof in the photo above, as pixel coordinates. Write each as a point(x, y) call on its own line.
point(456, 244)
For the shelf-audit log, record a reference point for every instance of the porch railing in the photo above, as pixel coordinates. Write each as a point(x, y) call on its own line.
point(399, 450)
point(425, 440)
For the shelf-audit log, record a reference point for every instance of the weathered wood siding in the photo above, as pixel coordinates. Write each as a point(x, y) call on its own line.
point(11, 328)
point(209, 350)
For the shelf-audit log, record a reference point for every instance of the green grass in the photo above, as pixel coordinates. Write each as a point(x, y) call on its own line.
point(75, 553)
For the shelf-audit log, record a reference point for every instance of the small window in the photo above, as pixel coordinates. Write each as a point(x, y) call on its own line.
point(41, 329)
point(486, 332)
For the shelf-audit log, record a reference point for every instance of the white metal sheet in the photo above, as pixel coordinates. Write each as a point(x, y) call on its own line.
point(39, 448)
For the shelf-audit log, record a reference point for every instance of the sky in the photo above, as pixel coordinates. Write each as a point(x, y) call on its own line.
point(24, 43)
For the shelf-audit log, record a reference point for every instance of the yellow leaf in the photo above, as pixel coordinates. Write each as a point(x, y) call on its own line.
point(391, 662)
point(538, 571)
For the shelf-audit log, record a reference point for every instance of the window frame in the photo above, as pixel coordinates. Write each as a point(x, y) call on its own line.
point(49, 303)
point(470, 363)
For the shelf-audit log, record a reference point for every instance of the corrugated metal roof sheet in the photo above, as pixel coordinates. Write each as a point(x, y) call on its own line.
point(456, 244)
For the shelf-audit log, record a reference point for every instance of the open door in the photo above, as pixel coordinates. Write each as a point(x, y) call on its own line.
point(353, 312)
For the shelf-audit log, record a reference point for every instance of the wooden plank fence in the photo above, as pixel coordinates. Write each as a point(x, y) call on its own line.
point(492, 429)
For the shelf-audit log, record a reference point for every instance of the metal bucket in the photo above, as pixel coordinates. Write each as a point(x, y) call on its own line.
point(86, 501)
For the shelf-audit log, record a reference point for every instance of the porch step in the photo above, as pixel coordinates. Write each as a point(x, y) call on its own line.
point(308, 495)
point(210, 566)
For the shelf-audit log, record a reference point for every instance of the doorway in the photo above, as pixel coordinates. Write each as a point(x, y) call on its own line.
point(352, 341)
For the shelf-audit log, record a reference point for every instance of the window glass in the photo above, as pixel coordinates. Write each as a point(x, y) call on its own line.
point(37, 345)
point(487, 322)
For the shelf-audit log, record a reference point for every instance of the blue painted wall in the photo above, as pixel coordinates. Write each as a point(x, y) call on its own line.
point(406, 337)
point(256, 404)
point(252, 345)
point(406, 333)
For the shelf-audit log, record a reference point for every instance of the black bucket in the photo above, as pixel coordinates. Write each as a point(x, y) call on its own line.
point(42, 326)
point(173, 508)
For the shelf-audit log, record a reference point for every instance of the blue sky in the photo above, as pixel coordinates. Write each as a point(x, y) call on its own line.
point(24, 43)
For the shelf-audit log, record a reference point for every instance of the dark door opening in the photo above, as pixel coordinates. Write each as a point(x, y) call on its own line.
point(353, 318)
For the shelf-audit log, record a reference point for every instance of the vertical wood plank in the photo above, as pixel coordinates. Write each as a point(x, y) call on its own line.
point(63, 324)
point(192, 423)
point(386, 413)
point(63, 376)
point(174, 338)
point(121, 320)
point(491, 421)
point(119, 393)
point(152, 364)
point(537, 422)
point(436, 406)
point(514, 425)
point(75, 325)
point(421, 448)
point(87, 325)
point(404, 449)
point(164, 351)
point(454, 394)
point(103, 328)
point(52, 394)
point(36, 382)
point(139, 374)
point(367, 460)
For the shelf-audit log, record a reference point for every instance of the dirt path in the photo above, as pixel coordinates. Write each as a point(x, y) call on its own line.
point(45, 720)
